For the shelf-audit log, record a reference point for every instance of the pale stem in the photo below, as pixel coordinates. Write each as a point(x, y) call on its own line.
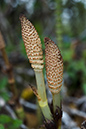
point(39, 114)
point(56, 100)
point(42, 93)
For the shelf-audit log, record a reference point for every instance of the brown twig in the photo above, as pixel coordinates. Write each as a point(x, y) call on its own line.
point(9, 69)
point(14, 100)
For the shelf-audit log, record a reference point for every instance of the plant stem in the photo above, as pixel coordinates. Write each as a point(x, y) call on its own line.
point(5, 57)
point(59, 22)
point(42, 93)
point(57, 97)
point(59, 124)
point(56, 101)
point(39, 114)
point(11, 79)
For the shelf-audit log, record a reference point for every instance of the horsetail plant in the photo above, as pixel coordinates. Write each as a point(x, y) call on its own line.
point(35, 55)
point(54, 70)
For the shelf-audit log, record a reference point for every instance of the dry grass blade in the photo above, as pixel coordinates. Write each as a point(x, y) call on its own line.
point(35, 92)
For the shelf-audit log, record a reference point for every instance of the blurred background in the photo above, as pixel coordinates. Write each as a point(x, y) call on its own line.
point(64, 21)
